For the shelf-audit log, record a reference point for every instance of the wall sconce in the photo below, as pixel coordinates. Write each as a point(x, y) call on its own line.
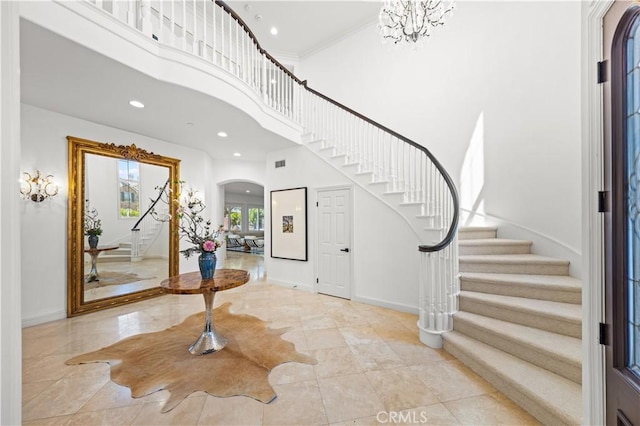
point(38, 188)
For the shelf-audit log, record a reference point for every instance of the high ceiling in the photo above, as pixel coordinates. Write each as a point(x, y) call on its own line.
point(62, 76)
point(304, 26)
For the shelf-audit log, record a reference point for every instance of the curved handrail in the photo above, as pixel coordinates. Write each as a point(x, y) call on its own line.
point(153, 204)
point(246, 28)
point(445, 175)
point(454, 193)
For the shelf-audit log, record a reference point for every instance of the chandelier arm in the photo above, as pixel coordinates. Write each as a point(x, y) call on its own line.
point(402, 20)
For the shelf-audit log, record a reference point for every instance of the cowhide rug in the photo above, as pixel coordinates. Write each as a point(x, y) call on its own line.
point(150, 362)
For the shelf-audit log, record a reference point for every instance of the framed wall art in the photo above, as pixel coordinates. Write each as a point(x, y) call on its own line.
point(289, 224)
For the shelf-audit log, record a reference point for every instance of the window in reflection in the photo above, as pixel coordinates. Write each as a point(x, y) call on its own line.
point(129, 183)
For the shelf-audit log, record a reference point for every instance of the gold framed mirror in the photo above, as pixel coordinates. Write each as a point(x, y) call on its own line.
point(117, 253)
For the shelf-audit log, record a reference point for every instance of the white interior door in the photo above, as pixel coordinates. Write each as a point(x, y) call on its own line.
point(334, 240)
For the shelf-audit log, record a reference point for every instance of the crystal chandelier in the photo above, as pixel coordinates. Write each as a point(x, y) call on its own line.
point(409, 20)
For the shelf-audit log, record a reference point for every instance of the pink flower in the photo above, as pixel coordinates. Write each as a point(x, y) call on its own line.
point(209, 246)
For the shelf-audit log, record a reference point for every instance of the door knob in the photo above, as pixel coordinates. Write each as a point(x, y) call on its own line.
point(346, 250)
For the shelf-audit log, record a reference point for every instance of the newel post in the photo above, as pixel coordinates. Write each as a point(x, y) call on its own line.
point(439, 290)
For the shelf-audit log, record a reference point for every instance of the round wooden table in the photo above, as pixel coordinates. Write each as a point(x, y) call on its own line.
point(192, 283)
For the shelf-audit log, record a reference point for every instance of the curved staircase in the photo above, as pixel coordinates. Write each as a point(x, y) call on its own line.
point(519, 324)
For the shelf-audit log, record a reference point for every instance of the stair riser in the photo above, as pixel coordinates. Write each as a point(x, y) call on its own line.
point(516, 290)
point(525, 401)
point(378, 188)
point(339, 160)
point(431, 236)
point(395, 197)
point(364, 178)
point(476, 235)
point(537, 356)
point(430, 221)
point(514, 268)
point(524, 318)
point(495, 249)
point(327, 151)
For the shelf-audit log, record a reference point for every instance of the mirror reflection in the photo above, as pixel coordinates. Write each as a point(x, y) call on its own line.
point(118, 193)
point(118, 252)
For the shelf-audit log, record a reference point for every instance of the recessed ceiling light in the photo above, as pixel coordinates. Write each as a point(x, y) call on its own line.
point(136, 104)
point(236, 154)
point(273, 31)
point(247, 191)
point(222, 134)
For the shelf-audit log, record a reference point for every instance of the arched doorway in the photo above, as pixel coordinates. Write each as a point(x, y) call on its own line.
point(244, 215)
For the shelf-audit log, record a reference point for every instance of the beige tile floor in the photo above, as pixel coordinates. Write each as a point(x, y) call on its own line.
point(155, 269)
point(372, 369)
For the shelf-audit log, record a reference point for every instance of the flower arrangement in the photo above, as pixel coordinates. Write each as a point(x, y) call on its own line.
point(92, 225)
point(191, 225)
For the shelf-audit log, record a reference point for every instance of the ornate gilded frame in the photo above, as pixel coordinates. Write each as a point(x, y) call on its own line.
point(75, 235)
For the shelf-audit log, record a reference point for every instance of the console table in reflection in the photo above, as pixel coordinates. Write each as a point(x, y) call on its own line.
point(94, 253)
point(192, 283)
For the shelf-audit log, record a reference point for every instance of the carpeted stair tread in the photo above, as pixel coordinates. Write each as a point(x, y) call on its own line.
point(558, 288)
point(568, 312)
point(514, 264)
point(550, 398)
point(512, 258)
point(466, 233)
point(555, 352)
point(560, 282)
point(493, 241)
point(493, 246)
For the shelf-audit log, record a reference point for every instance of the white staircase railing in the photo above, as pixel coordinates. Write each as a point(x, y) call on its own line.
point(146, 230)
point(212, 31)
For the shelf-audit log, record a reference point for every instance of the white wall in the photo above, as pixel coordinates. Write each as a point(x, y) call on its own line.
point(495, 95)
point(381, 237)
point(44, 225)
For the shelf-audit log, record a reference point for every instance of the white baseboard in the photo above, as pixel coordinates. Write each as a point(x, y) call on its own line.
point(384, 304)
point(367, 300)
point(41, 319)
point(294, 285)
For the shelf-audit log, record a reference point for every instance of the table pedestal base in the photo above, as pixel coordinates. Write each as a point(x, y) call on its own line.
point(209, 341)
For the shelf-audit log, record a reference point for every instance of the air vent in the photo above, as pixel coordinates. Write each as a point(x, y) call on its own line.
point(280, 163)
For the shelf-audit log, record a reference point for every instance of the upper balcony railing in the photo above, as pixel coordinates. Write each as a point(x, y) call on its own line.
point(214, 32)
